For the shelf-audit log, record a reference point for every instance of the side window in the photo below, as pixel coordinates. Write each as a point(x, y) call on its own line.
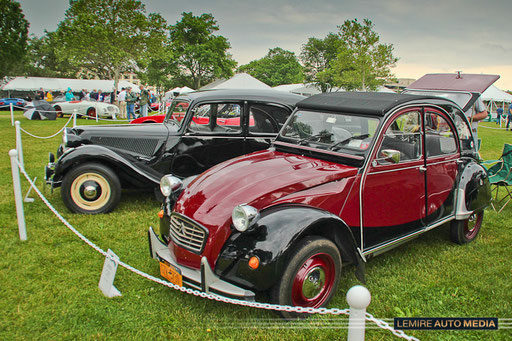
point(216, 118)
point(439, 136)
point(266, 118)
point(402, 139)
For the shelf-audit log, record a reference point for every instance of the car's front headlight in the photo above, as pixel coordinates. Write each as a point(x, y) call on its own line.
point(244, 216)
point(65, 137)
point(169, 184)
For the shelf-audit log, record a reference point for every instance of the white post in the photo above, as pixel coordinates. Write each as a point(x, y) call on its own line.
point(358, 297)
point(17, 194)
point(96, 107)
point(19, 147)
point(74, 118)
point(12, 114)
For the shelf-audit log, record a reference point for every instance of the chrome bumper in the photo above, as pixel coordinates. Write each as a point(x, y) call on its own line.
point(203, 279)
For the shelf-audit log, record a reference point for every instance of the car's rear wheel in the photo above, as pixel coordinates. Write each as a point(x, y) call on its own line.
point(91, 189)
point(464, 231)
point(91, 112)
point(311, 276)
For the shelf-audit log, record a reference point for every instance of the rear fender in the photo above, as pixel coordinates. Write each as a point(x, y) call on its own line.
point(272, 240)
point(127, 167)
point(473, 191)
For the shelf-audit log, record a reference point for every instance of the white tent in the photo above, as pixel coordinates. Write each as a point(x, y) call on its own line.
point(495, 98)
point(62, 84)
point(238, 81)
point(301, 89)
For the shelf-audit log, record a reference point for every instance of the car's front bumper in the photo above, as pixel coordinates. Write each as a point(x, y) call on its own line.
point(203, 279)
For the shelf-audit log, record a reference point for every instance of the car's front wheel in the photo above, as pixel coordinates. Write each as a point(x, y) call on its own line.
point(311, 277)
point(464, 231)
point(91, 188)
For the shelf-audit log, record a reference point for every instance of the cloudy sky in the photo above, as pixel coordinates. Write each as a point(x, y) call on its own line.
point(428, 36)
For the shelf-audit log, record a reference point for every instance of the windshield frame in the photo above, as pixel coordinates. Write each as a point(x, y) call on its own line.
point(170, 111)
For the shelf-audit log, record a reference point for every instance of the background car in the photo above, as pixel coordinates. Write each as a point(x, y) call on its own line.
point(87, 108)
point(16, 102)
point(95, 162)
point(350, 175)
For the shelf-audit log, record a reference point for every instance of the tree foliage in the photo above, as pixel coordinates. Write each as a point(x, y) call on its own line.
point(13, 38)
point(201, 56)
point(316, 56)
point(107, 37)
point(277, 67)
point(361, 63)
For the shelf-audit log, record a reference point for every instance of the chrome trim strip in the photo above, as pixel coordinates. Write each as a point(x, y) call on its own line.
point(394, 243)
point(395, 170)
point(318, 150)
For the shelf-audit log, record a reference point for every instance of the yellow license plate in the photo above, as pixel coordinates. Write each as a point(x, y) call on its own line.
point(171, 273)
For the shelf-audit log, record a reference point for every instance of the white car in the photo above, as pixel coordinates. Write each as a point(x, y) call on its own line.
point(87, 108)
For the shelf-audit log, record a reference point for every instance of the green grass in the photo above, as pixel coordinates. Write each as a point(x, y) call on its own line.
point(49, 283)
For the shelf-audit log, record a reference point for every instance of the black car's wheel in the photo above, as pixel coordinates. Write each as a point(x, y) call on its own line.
point(464, 231)
point(311, 277)
point(91, 189)
point(91, 112)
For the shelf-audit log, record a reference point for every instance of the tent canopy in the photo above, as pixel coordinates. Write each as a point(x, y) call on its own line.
point(496, 95)
point(301, 89)
point(62, 84)
point(238, 81)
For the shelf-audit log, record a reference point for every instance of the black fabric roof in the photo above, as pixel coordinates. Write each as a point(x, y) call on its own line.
point(269, 95)
point(370, 103)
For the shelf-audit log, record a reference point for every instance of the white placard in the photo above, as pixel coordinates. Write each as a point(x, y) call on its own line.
point(108, 275)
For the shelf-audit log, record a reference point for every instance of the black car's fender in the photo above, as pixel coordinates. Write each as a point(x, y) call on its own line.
point(272, 240)
point(130, 170)
point(475, 187)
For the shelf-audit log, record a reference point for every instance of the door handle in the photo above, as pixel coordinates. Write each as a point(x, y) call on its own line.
point(422, 169)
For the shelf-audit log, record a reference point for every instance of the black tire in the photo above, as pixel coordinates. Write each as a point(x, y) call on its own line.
point(311, 258)
point(465, 231)
point(102, 184)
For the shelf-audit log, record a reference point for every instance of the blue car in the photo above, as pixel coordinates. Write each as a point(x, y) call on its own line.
point(16, 102)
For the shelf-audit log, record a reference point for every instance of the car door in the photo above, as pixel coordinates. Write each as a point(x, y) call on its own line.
point(393, 190)
point(213, 134)
point(442, 153)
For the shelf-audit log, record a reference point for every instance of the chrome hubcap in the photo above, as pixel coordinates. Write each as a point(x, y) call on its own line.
point(313, 283)
point(90, 192)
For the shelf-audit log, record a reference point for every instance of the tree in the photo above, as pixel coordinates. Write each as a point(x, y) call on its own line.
point(201, 55)
point(108, 37)
point(277, 67)
point(361, 63)
point(13, 38)
point(316, 55)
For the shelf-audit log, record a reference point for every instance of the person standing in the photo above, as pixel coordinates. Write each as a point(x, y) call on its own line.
point(40, 95)
point(131, 98)
point(122, 103)
point(475, 114)
point(49, 96)
point(144, 101)
point(69, 95)
point(509, 116)
point(93, 95)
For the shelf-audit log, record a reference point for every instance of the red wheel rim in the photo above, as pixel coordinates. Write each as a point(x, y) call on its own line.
point(314, 281)
point(91, 113)
point(472, 225)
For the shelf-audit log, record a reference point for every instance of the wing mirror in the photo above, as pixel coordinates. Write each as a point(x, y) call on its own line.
point(390, 155)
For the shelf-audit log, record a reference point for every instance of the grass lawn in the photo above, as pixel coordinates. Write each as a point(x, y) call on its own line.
point(49, 283)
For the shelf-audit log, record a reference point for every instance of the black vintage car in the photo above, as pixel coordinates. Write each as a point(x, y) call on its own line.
point(96, 162)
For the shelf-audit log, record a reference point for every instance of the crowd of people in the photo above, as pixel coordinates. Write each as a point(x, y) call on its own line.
point(126, 99)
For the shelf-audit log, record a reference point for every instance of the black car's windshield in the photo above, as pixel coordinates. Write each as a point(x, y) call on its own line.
point(177, 110)
point(347, 133)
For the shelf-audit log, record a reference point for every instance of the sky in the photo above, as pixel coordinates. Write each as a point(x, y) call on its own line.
point(428, 36)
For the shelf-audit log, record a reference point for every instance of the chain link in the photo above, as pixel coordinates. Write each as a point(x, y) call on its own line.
point(214, 297)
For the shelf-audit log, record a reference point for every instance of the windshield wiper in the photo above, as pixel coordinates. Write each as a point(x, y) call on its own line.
point(337, 144)
point(316, 136)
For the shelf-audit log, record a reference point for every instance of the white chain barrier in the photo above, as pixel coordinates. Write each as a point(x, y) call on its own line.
point(331, 311)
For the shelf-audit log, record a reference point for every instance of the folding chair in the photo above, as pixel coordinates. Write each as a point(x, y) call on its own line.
point(500, 176)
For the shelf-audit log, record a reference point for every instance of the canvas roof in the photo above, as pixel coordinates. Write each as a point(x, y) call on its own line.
point(238, 81)
point(62, 84)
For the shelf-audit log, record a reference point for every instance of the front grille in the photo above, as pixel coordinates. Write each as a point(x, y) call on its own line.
point(137, 145)
point(187, 233)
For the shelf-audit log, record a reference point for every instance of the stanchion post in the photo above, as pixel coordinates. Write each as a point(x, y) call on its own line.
point(96, 107)
point(17, 194)
point(358, 298)
point(19, 147)
point(74, 118)
point(12, 114)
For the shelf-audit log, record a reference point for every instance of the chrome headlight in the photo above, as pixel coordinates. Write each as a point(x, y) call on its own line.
point(169, 184)
point(65, 137)
point(244, 216)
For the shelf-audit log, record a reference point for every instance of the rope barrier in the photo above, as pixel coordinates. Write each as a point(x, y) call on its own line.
point(47, 137)
point(332, 311)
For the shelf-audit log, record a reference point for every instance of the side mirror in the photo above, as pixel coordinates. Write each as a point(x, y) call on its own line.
point(390, 155)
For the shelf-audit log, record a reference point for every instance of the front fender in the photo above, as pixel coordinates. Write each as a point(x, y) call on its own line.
point(127, 167)
point(272, 240)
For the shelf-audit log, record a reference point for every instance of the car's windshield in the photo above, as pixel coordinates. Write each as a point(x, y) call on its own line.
point(177, 110)
point(346, 133)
